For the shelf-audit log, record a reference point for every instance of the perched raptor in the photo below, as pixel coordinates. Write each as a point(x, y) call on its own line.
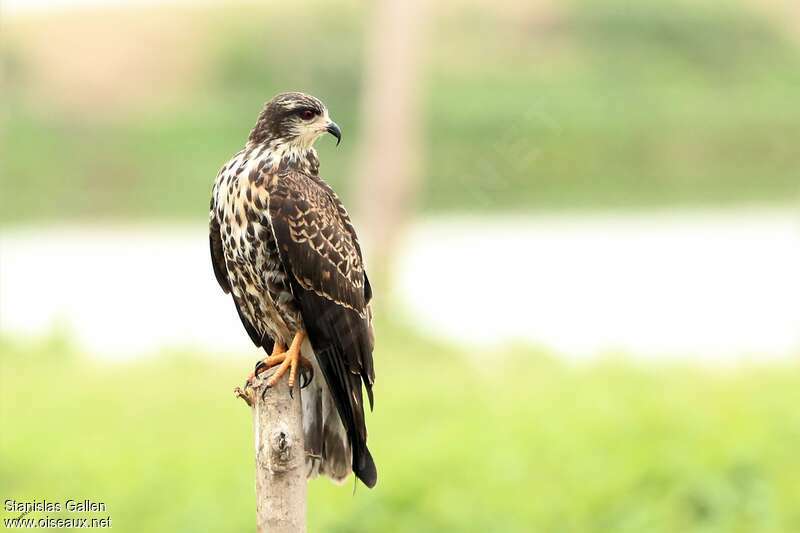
point(283, 246)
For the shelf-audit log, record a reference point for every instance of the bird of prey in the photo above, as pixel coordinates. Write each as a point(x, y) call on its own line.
point(283, 246)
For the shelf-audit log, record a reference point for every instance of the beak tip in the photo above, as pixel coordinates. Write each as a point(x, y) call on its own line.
point(334, 130)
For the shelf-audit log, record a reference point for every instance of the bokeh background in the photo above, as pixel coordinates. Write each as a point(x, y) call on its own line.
point(581, 216)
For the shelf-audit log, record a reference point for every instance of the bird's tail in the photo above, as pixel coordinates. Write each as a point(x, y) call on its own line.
point(364, 467)
point(328, 449)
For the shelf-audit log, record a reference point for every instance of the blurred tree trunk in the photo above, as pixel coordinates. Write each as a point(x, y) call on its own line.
point(389, 161)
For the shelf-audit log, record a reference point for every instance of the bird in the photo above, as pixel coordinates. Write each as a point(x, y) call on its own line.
point(284, 247)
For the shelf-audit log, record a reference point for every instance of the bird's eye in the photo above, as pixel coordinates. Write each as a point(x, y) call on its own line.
point(307, 114)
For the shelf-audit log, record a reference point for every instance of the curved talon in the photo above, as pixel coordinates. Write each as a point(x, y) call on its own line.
point(306, 376)
point(309, 377)
point(260, 366)
point(277, 356)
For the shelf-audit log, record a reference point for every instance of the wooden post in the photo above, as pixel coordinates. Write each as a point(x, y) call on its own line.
point(280, 457)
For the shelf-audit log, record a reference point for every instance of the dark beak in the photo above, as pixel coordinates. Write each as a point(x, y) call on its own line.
point(334, 130)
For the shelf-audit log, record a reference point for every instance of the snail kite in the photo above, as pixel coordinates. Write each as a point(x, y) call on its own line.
point(283, 246)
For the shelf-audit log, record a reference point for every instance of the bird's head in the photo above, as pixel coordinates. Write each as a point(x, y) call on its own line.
point(296, 119)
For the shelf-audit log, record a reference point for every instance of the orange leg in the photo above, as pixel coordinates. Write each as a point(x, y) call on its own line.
point(291, 361)
point(286, 361)
point(277, 356)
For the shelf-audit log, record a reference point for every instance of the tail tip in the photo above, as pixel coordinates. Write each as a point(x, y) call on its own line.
point(365, 469)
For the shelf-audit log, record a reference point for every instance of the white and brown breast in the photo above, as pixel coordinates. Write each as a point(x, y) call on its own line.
point(242, 233)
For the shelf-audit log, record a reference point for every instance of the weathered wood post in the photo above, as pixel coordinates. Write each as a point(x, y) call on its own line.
point(280, 457)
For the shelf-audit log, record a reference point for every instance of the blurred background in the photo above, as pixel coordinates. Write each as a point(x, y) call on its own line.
point(582, 217)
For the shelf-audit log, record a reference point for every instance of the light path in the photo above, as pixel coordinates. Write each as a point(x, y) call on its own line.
point(713, 286)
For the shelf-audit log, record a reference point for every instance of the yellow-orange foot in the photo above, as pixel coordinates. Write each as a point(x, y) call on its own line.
point(286, 361)
point(290, 361)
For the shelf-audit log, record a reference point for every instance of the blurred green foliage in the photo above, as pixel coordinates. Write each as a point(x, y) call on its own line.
point(518, 442)
point(604, 104)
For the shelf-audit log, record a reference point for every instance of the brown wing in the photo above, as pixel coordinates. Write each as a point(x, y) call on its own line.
point(319, 248)
point(217, 253)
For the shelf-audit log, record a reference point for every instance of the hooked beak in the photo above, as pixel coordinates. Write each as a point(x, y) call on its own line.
point(334, 130)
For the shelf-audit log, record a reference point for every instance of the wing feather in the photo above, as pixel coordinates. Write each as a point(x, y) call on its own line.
point(319, 247)
point(217, 252)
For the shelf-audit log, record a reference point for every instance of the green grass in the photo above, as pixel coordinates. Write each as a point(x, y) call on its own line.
point(534, 445)
point(610, 106)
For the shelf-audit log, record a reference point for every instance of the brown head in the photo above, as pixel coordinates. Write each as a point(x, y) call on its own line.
point(294, 118)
